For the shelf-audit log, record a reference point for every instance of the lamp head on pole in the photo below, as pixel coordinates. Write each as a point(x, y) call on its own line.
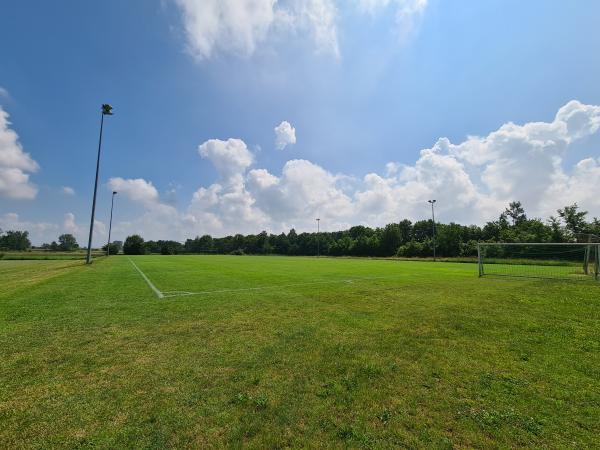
point(107, 110)
point(114, 192)
point(431, 201)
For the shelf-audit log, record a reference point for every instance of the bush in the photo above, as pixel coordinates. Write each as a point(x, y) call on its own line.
point(114, 248)
point(134, 245)
point(238, 252)
point(168, 250)
point(412, 249)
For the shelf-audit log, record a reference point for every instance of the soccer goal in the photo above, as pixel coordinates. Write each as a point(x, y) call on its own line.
point(574, 261)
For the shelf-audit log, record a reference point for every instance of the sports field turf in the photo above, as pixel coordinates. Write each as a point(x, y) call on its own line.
point(274, 352)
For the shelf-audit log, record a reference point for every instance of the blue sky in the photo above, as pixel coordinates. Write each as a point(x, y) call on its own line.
point(366, 85)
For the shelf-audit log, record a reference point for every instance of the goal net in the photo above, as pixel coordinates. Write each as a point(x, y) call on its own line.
point(576, 261)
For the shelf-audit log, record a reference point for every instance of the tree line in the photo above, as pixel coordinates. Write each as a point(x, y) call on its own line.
point(403, 239)
point(19, 241)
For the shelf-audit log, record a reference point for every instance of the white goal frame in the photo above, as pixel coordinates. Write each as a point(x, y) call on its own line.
point(587, 253)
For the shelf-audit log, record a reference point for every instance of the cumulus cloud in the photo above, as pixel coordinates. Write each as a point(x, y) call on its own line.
point(70, 226)
point(68, 190)
point(15, 164)
point(472, 180)
point(231, 157)
point(239, 26)
point(38, 231)
point(285, 134)
point(138, 189)
point(4, 92)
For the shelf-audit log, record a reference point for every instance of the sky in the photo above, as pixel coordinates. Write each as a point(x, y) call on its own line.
point(237, 116)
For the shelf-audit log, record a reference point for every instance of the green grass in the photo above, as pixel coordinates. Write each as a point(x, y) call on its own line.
point(294, 352)
point(48, 255)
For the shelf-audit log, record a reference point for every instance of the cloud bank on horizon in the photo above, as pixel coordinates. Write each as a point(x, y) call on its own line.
point(472, 181)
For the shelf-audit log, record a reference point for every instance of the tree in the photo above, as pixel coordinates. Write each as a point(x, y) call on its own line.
point(118, 245)
point(405, 230)
point(515, 212)
point(67, 242)
point(574, 219)
point(557, 234)
point(134, 245)
point(114, 248)
point(15, 240)
point(391, 238)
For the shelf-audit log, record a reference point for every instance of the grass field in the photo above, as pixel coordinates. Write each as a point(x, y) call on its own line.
point(43, 254)
point(274, 352)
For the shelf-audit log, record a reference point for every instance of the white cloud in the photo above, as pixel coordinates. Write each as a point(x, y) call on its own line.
point(239, 26)
point(138, 189)
point(68, 190)
point(303, 192)
point(38, 231)
point(231, 157)
point(15, 164)
point(69, 225)
point(472, 181)
point(4, 93)
point(285, 134)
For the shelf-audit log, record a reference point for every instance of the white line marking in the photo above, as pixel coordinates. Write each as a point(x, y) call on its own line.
point(262, 288)
point(156, 291)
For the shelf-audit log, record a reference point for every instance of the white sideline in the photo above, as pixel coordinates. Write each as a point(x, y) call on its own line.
point(156, 291)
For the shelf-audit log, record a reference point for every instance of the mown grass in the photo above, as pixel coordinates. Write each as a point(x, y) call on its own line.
point(48, 255)
point(322, 355)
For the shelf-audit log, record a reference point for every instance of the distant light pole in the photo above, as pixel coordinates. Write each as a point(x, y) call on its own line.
point(106, 111)
point(112, 204)
point(318, 235)
point(433, 219)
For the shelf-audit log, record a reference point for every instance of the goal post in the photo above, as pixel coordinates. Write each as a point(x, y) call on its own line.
point(573, 261)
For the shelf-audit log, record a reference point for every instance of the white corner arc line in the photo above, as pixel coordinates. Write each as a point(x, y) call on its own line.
point(156, 291)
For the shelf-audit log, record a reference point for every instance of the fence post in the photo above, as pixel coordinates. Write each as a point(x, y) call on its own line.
point(479, 261)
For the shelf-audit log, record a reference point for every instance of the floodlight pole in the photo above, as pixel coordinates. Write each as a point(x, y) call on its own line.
point(318, 235)
point(433, 219)
point(106, 110)
point(112, 204)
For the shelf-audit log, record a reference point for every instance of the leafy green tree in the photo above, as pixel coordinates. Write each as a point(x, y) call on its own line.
point(67, 242)
point(406, 228)
point(118, 245)
point(573, 218)
point(516, 213)
point(594, 227)
point(390, 240)
point(15, 240)
point(115, 248)
point(556, 231)
point(448, 239)
point(134, 245)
